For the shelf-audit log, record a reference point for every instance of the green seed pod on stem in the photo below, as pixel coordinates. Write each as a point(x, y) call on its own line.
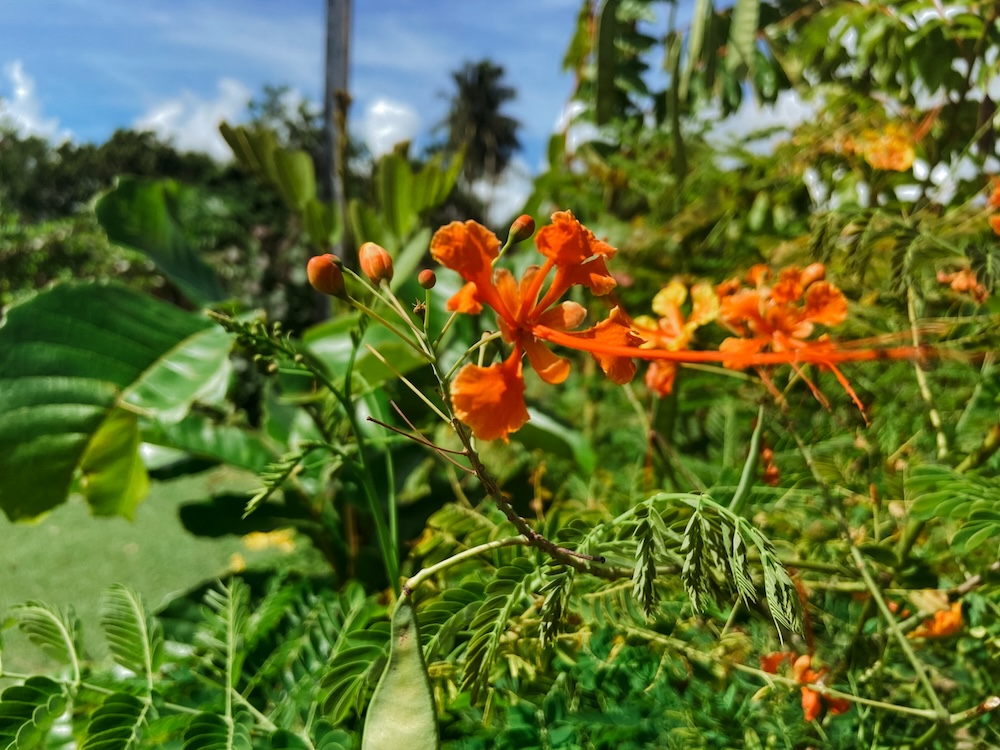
point(401, 715)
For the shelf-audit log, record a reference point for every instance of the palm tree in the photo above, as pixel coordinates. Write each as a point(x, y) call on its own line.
point(475, 122)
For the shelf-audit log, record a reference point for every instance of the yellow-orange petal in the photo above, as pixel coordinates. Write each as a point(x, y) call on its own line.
point(567, 242)
point(466, 300)
point(551, 368)
point(563, 317)
point(825, 304)
point(995, 223)
point(468, 248)
point(669, 298)
point(704, 304)
point(491, 399)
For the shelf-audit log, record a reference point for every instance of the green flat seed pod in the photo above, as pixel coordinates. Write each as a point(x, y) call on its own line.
point(401, 714)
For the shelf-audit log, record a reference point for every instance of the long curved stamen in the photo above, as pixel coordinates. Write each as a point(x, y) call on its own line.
point(806, 355)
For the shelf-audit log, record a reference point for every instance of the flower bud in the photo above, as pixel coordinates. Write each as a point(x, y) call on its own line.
point(325, 275)
point(522, 228)
point(813, 272)
point(375, 262)
point(427, 279)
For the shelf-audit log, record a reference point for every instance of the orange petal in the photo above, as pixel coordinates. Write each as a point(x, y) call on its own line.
point(491, 399)
point(770, 662)
point(468, 248)
point(615, 330)
point(593, 274)
point(660, 377)
point(736, 309)
point(550, 367)
point(801, 668)
point(811, 704)
point(563, 317)
point(825, 304)
point(466, 300)
point(837, 705)
point(567, 242)
point(741, 350)
point(789, 287)
point(510, 295)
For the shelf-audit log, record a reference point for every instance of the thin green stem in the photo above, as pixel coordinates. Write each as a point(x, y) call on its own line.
point(941, 713)
point(742, 493)
point(361, 307)
point(414, 581)
point(405, 381)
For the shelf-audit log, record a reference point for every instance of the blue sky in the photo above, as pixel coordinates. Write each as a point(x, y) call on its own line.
point(82, 68)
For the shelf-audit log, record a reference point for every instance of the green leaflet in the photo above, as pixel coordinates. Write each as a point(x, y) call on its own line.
point(401, 714)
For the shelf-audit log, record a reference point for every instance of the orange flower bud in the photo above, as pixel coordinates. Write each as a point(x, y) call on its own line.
point(375, 262)
point(813, 272)
point(522, 228)
point(325, 275)
point(427, 279)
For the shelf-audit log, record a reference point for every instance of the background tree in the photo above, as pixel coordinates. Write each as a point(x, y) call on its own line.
point(476, 123)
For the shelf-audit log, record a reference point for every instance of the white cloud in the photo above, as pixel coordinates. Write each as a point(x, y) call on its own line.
point(21, 110)
point(507, 196)
point(386, 123)
point(192, 123)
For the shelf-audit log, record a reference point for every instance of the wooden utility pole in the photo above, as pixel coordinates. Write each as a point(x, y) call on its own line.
point(336, 101)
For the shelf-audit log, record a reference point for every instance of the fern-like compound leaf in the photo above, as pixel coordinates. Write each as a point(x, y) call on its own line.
point(134, 638)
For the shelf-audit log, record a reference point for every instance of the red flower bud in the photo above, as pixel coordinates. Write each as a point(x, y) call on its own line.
point(427, 279)
point(522, 228)
point(325, 275)
point(375, 262)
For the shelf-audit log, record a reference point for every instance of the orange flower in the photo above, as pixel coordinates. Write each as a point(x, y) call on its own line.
point(994, 199)
point(943, 623)
point(965, 281)
point(813, 700)
point(491, 399)
point(671, 331)
point(779, 318)
point(891, 150)
point(995, 223)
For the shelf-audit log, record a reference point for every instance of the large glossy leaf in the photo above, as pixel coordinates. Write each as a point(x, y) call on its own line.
point(113, 477)
point(199, 436)
point(143, 214)
point(71, 356)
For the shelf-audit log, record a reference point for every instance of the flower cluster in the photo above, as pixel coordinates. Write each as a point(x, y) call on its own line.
point(890, 149)
point(672, 331)
point(813, 701)
point(778, 316)
point(943, 623)
point(965, 282)
point(491, 399)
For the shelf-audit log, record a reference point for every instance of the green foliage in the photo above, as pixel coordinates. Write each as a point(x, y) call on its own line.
point(29, 711)
point(76, 362)
point(144, 215)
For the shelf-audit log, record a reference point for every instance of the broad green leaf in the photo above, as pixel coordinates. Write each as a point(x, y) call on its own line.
point(135, 638)
point(200, 436)
point(545, 433)
point(113, 477)
point(322, 224)
point(743, 34)
point(405, 264)
point(368, 226)
point(395, 186)
point(196, 369)
point(143, 214)
point(607, 61)
point(68, 358)
point(295, 178)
